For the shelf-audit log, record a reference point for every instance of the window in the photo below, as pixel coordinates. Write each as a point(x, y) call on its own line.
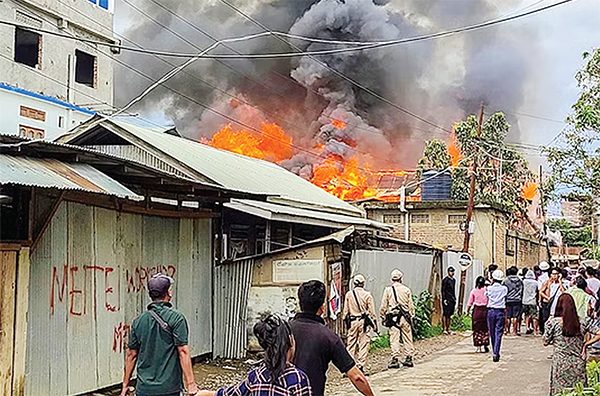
point(27, 47)
point(61, 122)
point(31, 132)
point(510, 245)
point(393, 218)
point(456, 219)
point(85, 68)
point(419, 218)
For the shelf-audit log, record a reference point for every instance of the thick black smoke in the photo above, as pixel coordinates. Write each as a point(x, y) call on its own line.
point(441, 80)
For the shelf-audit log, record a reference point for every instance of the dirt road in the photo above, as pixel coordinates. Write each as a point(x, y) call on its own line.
point(523, 370)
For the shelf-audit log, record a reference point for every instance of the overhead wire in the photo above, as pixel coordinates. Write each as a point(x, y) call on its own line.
point(338, 73)
point(360, 46)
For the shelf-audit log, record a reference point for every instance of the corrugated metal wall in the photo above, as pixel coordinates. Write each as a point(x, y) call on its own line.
point(88, 283)
point(231, 288)
point(451, 259)
point(376, 267)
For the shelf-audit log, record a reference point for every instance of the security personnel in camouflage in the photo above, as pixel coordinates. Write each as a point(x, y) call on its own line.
point(359, 309)
point(397, 302)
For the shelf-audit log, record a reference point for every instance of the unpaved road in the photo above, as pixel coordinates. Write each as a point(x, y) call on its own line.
point(523, 370)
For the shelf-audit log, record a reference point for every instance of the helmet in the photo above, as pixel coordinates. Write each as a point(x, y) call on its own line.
point(498, 275)
point(397, 275)
point(544, 266)
point(359, 280)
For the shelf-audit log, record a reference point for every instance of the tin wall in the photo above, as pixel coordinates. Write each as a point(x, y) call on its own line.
point(376, 267)
point(232, 285)
point(88, 282)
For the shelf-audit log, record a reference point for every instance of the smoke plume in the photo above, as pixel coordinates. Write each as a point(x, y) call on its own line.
point(441, 80)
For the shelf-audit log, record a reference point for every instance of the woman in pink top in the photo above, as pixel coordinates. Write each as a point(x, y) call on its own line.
point(478, 301)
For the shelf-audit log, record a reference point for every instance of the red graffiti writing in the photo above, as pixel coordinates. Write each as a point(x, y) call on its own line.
point(75, 282)
point(120, 337)
point(137, 279)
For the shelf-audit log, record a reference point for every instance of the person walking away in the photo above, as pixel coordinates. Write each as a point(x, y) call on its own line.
point(317, 346)
point(359, 312)
point(530, 303)
point(583, 300)
point(397, 311)
point(496, 294)
point(448, 299)
point(479, 301)
point(592, 280)
point(158, 343)
point(549, 293)
point(275, 375)
point(514, 300)
point(567, 333)
point(490, 270)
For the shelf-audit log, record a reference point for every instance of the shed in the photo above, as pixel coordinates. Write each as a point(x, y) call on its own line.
point(271, 280)
point(81, 233)
point(295, 210)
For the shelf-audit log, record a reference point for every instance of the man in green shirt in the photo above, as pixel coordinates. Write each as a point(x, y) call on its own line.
point(158, 343)
point(582, 299)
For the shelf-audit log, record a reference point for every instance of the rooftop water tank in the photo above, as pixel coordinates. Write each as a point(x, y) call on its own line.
point(436, 185)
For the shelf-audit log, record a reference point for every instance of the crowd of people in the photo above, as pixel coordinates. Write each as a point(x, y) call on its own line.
point(560, 304)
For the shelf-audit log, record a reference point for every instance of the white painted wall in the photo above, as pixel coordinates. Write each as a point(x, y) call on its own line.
point(10, 118)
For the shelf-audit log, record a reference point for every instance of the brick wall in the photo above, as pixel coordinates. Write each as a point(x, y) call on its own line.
point(439, 227)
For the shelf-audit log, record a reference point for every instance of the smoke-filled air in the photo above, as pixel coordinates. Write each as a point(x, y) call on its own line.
point(343, 120)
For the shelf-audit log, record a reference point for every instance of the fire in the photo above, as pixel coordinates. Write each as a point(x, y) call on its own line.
point(272, 145)
point(454, 151)
point(338, 124)
point(529, 190)
point(344, 180)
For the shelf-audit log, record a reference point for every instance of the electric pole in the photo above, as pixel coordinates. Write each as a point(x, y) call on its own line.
point(470, 205)
point(542, 203)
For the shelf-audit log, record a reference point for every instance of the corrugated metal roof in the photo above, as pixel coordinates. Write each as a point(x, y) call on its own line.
point(236, 171)
point(272, 211)
point(51, 173)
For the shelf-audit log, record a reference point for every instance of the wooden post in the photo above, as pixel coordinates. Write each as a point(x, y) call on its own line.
point(470, 205)
point(20, 336)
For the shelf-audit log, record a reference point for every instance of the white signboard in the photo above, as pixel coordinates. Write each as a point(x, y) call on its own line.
point(296, 271)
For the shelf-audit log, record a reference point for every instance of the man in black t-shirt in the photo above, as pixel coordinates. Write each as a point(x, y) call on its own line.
point(448, 299)
point(316, 345)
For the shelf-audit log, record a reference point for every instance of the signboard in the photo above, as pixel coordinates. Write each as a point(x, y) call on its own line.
point(297, 271)
point(465, 261)
point(336, 275)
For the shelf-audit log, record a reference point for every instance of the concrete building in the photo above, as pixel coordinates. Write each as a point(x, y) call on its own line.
point(438, 223)
point(44, 74)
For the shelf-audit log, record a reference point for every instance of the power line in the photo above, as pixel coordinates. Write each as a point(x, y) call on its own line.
point(360, 47)
point(339, 74)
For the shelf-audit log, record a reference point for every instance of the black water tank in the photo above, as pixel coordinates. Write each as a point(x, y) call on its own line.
point(436, 185)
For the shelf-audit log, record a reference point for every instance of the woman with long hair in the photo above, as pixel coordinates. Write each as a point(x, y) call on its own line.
point(567, 333)
point(478, 300)
point(275, 375)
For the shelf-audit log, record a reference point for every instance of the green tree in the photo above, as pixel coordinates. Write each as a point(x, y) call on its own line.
point(502, 171)
point(576, 162)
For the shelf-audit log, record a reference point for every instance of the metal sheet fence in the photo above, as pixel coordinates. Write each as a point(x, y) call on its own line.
point(88, 282)
point(376, 267)
point(231, 289)
point(451, 259)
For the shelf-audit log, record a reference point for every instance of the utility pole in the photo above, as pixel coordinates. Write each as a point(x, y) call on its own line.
point(544, 218)
point(470, 205)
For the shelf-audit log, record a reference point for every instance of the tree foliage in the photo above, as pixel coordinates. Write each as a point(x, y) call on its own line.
point(572, 236)
point(576, 162)
point(501, 172)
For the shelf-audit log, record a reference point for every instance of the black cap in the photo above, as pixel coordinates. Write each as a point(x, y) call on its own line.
point(159, 285)
point(451, 269)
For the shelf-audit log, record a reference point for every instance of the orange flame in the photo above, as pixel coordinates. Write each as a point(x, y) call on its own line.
point(272, 145)
point(454, 151)
point(338, 124)
point(529, 190)
point(344, 180)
